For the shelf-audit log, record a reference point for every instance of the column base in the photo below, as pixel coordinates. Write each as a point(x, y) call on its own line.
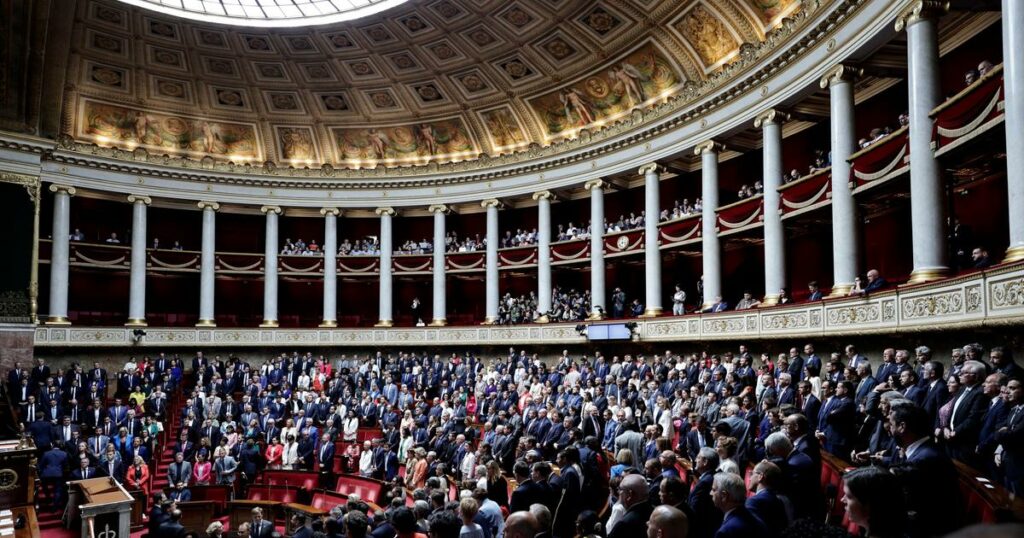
point(595, 316)
point(438, 322)
point(919, 276)
point(490, 320)
point(840, 290)
point(770, 300)
point(136, 322)
point(206, 323)
point(268, 324)
point(542, 319)
point(329, 323)
point(385, 323)
point(57, 320)
point(652, 312)
point(1014, 254)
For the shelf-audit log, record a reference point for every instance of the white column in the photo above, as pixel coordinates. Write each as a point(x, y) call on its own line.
point(59, 256)
point(207, 268)
point(270, 267)
point(1013, 88)
point(597, 284)
point(770, 122)
point(711, 251)
point(492, 296)
point(845, 250)
point(927, 193)
point(137, 274)
point(652, 255)
point(330, 317)
point(386, 251)
point(543, 254)
point(440, 315)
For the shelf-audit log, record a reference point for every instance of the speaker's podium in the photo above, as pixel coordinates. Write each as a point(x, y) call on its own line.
point(103, 505)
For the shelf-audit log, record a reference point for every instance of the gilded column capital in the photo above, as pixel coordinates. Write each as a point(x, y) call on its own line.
point(208, 205)
point(271, 209)
point(648, 168)
point(543, 195)
point(770, 116)
point(840, 73)
point(708, 146)
point(389, 211)
point(330, 211)
point(921, 10)
point(138, 198)
point(595, 184)
point(491, 202)
point(439, 208)
point(63, 188)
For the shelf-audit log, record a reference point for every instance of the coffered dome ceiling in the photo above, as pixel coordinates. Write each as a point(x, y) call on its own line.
point(426, 81)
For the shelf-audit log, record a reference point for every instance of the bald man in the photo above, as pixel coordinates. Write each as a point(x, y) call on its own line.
point(633, 494)
point(667, 522)
point(521, 525)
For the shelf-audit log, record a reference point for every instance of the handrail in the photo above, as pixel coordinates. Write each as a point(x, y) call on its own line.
point(802, 179)
point(995, 72)
point(874, 144)
point(740, 202)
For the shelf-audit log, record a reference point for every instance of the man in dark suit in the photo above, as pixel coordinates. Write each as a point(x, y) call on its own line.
point(527, 491)
point(172, 528)
point(811, 405)
point(41, 372)
point(765, 481)
point(300, 526)
point(968, 414)
point(259, 527)
point(928, 475)
point(52, 466)
point(633, 494)
point(936, 392)
point(707, 517)
point(995, 417)
point(1010, 439)
point(698, 437)
point(909, 388)
point(325, 461)
point(800, 475)
point(84, 471)
point(729, 495)
point(836, 420)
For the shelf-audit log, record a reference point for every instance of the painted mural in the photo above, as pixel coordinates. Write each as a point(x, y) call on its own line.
point(504, 130)
point(707, 34)
point(125, 127)
point(437, 140)
point(771, 11)
point(637, 79)
point(296, 143)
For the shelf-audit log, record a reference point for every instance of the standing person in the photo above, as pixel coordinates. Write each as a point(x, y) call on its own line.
point(678, 301)
point(468, 508)
point(729, 495)
point(633, 494)
point(52, 469)
point(874, 501)
point(137, 475)
point(224, 469)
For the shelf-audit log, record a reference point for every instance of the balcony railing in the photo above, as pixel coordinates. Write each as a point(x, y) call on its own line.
point(883, 160)
point(969, 113)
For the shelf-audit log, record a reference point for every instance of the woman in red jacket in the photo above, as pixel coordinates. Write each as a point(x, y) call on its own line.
point(137, 476)
point(274, 453)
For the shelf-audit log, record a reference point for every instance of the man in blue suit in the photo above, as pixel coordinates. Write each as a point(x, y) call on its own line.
point(995, 418)
point(800, 475)
point(836, 421)
point(52, 467)
point(765, 481)
point(909, 388)
point(718, 306)
point(325, 460)
point(707, 516)
point(936, 392)
point(729, 495)
point(811, 404)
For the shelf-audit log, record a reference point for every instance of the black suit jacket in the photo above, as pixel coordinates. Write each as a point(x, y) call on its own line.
point(707, 517)
point(526, 494)
point(172, 529)
point(968, 419)
point(931, 483)
point(633, 522)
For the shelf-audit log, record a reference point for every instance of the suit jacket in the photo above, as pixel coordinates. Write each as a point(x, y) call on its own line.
point(53, 463)
point(78, 474)
point(811, 408)
point(741, 523)
point(930, 480)
point(633, 522)
point(693, 444)
point(935, 397)
point(1012, 441)
point(767, 507)
point(707, 517)
point(526, 494)
point(171, 529)
point(802, 484)
point(174, 475)
point(968, 417)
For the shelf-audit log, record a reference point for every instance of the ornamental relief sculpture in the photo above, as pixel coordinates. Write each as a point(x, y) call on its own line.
point(1006, 294)
point(940, 304)
point(854, 315)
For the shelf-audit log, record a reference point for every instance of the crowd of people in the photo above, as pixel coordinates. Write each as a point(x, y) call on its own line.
point(683, 430)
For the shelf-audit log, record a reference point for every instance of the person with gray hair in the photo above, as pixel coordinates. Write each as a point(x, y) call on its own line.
point(543, 516)
point(967, 415)
point(729, 495)
point(633, 494)
point(800, 478)
point(706, 516)
point(522, 524)
point(667, 522)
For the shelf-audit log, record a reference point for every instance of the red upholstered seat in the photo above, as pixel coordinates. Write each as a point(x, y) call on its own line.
point(302, 479)
point(365, 488)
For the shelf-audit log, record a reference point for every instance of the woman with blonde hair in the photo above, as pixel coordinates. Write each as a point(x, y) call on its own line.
point(497, 486)
point(215, 530)
point(623, 460)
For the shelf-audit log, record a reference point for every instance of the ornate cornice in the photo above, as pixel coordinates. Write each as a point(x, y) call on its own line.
point(543, 195)
point(840, 73)
point(921, 10)
point(771, 116)
point(648, 168)
point(683, 107)
point(268, 209)
point(208, 205)
point(708, 146)
point(595, 184)
point(138, 198)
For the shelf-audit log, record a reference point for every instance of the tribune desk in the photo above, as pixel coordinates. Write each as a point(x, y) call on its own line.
point(103, 505)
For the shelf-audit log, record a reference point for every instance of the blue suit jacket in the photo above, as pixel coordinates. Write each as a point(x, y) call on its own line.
point(741, 523)
point(707, 517)
point(769, 509)
point(994, 419)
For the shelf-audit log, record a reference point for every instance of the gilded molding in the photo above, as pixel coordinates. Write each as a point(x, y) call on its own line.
point(595, 184)
point(543, 195)
point(840, 73)
point(490, 202)
point(271, 209)
point(921, 10)
point(439, 208)
point(771, 116)
point(63, 188)
point(138, 198)
point(389, 211)
point(708, 146)
point(648, 168)
point(330, 211)
point(208, 205)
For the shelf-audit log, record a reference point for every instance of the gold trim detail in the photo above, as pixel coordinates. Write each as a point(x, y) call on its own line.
point(772, 116)
point(490, 202)
point(840, 290)
point(134, 198)
point(206, 323)
point(330, 211)
point(385, 323)
point(63, 188)
point(546, 195)
point(438, 322)
point(595, 184)
point(542, 319)
point(652, 312)
point(1014, 254)
point(840, 73)
point(57, 320)
point(594, 316)
point(381, 211)
point(649, 167)
point(271, 209)
point(328, 323)
point(708, 146)
point(919, 276)
point(489, 320)
point(771, 299)
point(268, 324)
point(208, 205)
point(136, 322)
point(921, 10)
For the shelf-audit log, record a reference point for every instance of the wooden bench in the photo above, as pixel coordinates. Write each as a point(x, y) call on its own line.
point(197, 515)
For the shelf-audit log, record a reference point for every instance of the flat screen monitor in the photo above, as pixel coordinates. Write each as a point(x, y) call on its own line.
point(609, 331)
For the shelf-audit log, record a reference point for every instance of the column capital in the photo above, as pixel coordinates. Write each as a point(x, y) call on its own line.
point(271, 209)
point(840, 73)
point(543, 195)
point(389, 211)
point(330, 211)
point(491, 202)
point(138, 198)
point(708, 146)
point(439, 208)
point(63, 188)
point(599, 184)
point(208, 205)
point(921, 10)
point(648, 168)
point(770, 116)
